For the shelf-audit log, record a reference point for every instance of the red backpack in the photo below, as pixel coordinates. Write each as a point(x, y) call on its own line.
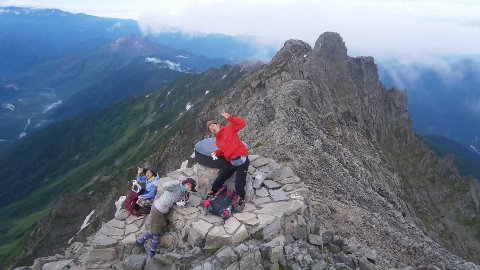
point(222, 203)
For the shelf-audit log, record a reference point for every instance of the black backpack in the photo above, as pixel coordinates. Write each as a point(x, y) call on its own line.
point(221, 203)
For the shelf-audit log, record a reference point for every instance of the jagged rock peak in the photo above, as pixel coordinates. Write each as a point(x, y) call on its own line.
point(291, 49)
point(331, 44)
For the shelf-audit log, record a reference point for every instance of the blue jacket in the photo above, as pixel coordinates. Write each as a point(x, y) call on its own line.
point(150, 187)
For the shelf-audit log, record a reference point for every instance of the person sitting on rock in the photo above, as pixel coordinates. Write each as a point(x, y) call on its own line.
point(141, 200)
point(234, 151)
point(175, 192)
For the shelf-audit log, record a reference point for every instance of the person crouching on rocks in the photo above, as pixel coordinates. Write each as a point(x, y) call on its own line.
point(143, 198)
point(234, 151)
point(176, 192)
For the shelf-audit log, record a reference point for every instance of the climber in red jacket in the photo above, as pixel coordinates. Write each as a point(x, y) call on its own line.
point(234, 151)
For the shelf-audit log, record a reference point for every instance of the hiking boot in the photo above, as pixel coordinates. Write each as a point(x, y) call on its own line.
point(240, 205)
point(140, 245)
point(210, 193)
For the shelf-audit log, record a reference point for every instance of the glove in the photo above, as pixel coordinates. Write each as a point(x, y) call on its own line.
point(181, 203)
point(214, 156)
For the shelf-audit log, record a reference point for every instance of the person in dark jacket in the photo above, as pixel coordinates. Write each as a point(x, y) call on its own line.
point(176, 192)
point(235, 153)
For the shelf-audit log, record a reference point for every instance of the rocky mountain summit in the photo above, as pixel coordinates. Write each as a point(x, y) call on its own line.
point(275, 228)
point(346, 184)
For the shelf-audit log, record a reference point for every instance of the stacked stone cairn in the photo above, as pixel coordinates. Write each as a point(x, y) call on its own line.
point(274, 231)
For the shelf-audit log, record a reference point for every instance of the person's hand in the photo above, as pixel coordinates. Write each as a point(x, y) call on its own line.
point(139, 170)
point(181, 203)
point(226, 115)
point(214, 156)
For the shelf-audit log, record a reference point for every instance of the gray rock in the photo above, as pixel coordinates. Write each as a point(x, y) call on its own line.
point(327, 237)
point(277, 192)
point(280, 198)
point(259, 162)
point(252, 157)
point(258, 180)
point(279, 209)
point(195, 200)
point(273, 250)
point(56, 265)
point(262, 200)
point(134, 262)
point(112, 231)
point(103, 241)
point(290, 180)
point(115, 223)
point(130, 219)
point(226, 256)
point(195, 239)
point(300, 230)
point(231, 225)
point(315, 239)
point(270, 184)
point(98, 255)
point(122, 214)
point(240, 235)
point(217, 237)
point(262, 192)
point(213, 219)
point(202, 227)
point(283, 173)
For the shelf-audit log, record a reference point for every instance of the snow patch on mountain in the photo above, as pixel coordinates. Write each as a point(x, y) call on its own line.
point(206, 92)
point(8, 106)
point(85, 222)
point(188, 106)
point(24, 132)
point(52, 106)
point(474, 149)
point(13, 86)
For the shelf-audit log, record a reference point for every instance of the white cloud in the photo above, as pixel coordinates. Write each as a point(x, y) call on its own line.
point(166, 64)
point(373, 27)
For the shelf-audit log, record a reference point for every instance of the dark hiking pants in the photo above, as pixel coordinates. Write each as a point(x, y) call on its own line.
point(240, 177)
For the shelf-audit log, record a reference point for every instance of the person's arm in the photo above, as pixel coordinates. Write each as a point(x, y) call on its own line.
point(218, 153)
point(149, 193)
point(236, 123)
point(142, 179)
point(171, 185)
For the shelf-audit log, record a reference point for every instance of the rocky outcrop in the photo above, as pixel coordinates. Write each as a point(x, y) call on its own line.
point(328, 117)
point(351, 187)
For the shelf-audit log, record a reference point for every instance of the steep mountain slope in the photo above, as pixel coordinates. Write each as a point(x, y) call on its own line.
point(32, 36)
point(85, 82)
point(92, 153)
point(444, 98)
point(328, 116)
point(466, 159)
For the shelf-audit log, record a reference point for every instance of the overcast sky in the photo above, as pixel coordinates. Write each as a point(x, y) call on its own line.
point(380, 28)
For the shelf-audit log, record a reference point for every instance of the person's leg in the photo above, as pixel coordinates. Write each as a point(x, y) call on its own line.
point(241, 178)
point(227, 171)
point(158, 220)
point(141, 241)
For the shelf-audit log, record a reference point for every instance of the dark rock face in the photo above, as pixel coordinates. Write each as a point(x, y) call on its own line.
point(328, 116)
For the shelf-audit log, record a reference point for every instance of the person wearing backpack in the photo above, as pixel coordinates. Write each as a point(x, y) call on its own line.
point(176, 192)
point(235, 153)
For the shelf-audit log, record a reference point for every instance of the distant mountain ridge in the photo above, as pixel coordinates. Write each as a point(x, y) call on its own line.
point(75, 64)
point(444, 98)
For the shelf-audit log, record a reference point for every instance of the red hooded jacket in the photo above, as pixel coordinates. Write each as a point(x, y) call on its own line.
point(229, 144)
